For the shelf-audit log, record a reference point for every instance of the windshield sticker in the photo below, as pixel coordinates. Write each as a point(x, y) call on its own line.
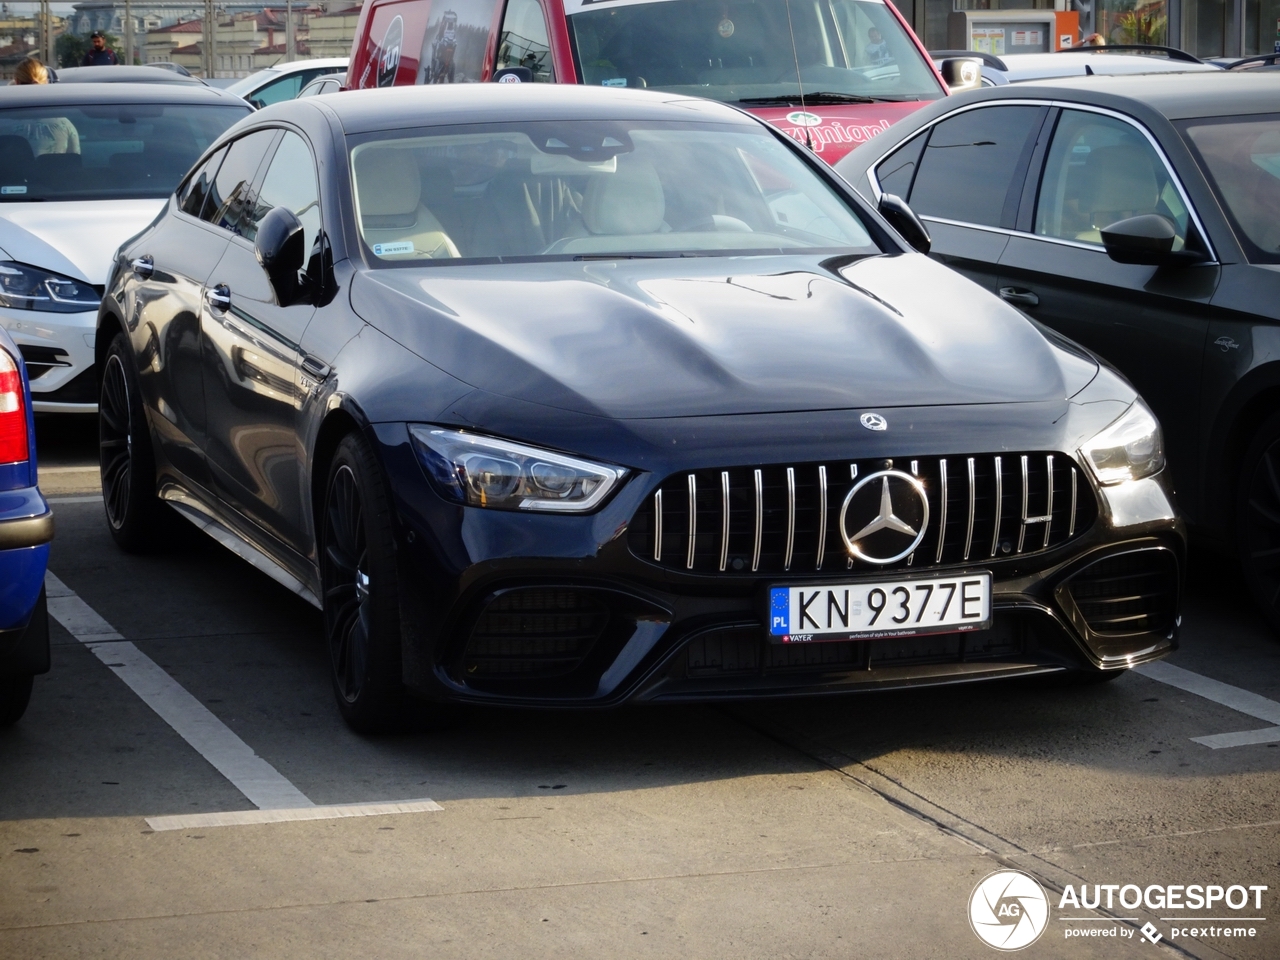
point(582, 6)
point(614, 82)
point(11, 191)
point(725, 28)
point(391, 249)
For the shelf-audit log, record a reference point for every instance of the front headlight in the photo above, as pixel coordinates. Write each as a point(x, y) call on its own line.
point(30, 288)
point(488, 472)
point(1129, 449)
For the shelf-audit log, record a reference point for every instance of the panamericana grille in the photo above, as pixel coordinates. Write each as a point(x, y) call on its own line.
point(784, 518)
point(534, 632)
point(1130, 593)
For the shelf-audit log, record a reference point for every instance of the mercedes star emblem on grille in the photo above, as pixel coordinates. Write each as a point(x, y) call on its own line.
point(873, 421)
point(890, 528)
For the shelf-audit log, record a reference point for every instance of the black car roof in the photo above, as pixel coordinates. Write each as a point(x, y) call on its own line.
point(1178, 96)
point(38, 94)
point(123, 75)
point(364, 111)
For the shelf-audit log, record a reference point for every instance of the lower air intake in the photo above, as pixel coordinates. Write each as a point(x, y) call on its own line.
point(533, 632)
point(1128, 594)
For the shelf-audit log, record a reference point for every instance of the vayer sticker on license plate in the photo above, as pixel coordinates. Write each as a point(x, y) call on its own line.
point(884, 608)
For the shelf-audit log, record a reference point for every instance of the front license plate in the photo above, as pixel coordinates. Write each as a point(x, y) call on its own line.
point(880, 608)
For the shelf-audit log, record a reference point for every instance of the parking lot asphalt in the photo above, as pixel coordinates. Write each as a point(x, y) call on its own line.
point(842, 827)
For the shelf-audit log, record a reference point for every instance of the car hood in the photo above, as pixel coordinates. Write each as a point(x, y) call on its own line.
point(75, 239)
point(634, 339)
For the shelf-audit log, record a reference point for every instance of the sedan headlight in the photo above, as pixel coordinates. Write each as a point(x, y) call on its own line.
point(488, 472)
point(1129, 449)
point(30, 288)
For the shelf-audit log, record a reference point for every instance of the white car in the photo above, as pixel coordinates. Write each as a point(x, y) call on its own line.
point(284, 81)
point(1114, 60)
point(83, 167)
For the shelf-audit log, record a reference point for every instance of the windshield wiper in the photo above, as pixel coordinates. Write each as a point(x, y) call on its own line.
point(821, 98)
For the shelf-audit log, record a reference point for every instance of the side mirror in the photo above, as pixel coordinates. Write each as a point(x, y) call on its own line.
point(903, 219)
point(513, 75)
point(1146, 240)
point(961, 73)
point(278, 246)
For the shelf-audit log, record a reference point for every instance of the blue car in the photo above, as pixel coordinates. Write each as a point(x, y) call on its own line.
point(26, 527)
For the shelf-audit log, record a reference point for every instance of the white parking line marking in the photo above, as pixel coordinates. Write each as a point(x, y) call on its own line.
point(1241, 701)
point(86, 468)
point(96, 498)
point(1242, 739)
point(241, 817)
point(260, 782)
point(263, 785)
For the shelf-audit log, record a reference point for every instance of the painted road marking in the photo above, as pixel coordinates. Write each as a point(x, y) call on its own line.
point(96, 498)
point(1239, 700)
point(261, 783)
point(188, 821)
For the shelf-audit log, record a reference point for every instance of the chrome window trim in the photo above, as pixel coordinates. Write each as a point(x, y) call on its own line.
point(1064, 105)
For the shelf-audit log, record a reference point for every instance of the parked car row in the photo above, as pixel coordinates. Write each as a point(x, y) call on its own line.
point(576, 397)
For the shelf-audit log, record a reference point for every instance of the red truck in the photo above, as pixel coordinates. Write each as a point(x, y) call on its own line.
point(831, 73)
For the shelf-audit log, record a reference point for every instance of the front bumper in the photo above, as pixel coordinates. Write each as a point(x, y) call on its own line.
point(65, 381)
point(482, 589)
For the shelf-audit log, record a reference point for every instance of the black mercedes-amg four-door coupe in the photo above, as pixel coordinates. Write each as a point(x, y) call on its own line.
point(570, 396)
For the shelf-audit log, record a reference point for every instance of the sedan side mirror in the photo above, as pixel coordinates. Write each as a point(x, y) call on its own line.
point(961, 73)
point(278, 246)
point(1146, 240)
point(903, 219)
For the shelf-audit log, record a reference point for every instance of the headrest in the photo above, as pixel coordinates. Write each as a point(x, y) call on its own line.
point(1122, 178)
point(388, 182)
point(629, 201)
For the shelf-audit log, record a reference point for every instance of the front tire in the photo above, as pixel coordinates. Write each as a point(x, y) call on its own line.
point(361, 591)
point(15, 694)
point(135, 515)
point(1258, 520)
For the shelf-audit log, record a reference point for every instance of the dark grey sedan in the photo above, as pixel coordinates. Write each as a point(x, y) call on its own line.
point(1141, 217)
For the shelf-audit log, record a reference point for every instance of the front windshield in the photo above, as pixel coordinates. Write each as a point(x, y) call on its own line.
point(592, 188)
point(1242, 158)
point(741, 50)
point(106, 151)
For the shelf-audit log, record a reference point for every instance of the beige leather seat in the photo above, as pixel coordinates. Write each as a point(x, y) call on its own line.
point(395, 223)
point(1120, 182)
point(627, 202)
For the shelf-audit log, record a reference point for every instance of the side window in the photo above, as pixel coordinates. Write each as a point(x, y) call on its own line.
point(193, 193)
point(233, 186)
point(523, 42)
point(973, 167)
point(286, 88)
point(896, 171)
point(1101, 170)
point(290, 182)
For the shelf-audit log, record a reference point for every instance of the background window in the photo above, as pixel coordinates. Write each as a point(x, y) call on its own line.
point(524, 40)
point(1101, 170)
point(974, 164)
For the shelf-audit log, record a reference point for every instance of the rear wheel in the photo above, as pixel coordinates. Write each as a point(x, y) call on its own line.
point(15, 694)
point(361, 591)
point(135, 515)
point(1258, 520)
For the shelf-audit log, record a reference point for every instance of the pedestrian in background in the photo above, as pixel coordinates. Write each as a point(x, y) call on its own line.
point(99, 54)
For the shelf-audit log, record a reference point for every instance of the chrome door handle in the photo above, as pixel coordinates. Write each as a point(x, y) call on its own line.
point(1024, 298)
point(218, 298)
point(314, 367)
point(143, 267)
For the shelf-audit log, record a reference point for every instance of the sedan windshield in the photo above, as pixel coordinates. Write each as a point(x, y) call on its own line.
point(751, 51)
point(104, 151)
point(592, 188)
point(1242, 158)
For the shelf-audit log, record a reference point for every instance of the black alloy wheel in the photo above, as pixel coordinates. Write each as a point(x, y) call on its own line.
point(361, 593)
point(1258, 520)
point(135, 515)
